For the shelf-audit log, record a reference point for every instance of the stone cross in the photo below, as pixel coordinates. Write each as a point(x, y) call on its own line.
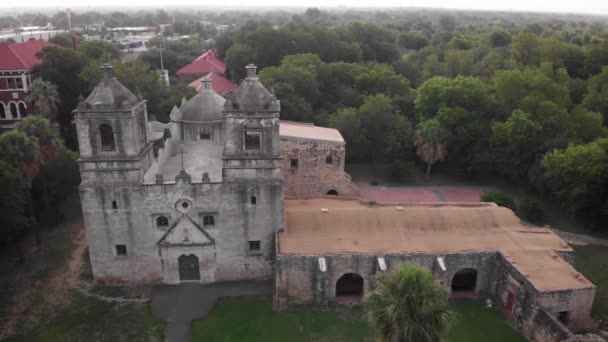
point(181, 152)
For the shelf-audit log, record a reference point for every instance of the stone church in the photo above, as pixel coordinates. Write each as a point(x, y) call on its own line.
point(200, 198)
point(227, 191)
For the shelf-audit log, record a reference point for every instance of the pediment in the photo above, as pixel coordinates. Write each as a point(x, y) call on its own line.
point(186, 232)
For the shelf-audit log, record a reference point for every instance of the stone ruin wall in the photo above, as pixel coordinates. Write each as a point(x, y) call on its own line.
point(313, 176)
point(299, 280)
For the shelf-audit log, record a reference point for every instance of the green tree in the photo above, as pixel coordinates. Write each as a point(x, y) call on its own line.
point(375, 123)
point(429, 140)
point(13, 220)
point(21, 153)
point(99, 50)
point(577, 176)
point(44, 97)
point(525, 48)
point(237, 57)
point(597, 95)
point(409, 305)
point(57, 179)
point(62, 67)
point(515, 144)
point(412, 40)
point(468, 93)
point(48, 141)
point(499, 38)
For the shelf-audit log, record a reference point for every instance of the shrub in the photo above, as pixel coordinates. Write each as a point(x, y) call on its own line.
point(531, 210)
point(500, 198)
point(400, 170)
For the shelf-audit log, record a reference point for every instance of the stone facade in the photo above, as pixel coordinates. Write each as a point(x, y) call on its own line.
point(301, 280)
point(315, 167)
point(127, 240)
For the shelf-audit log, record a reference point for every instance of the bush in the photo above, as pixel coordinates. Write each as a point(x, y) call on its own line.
point(500, 198)
point(400, 170)
point(531, 210)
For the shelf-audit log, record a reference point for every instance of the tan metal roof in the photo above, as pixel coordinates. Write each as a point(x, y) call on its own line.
point(352, 227)
point(305, 130)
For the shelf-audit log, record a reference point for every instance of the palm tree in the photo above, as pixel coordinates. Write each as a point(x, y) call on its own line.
point(48, 142)
point(408, 305)
point(21, 153)
point(44, 98)
point(429, 142)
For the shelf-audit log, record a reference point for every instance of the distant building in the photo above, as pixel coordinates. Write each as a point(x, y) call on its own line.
point(219, 83)
point(18, 62)
point(209, 66)
point(204, 64)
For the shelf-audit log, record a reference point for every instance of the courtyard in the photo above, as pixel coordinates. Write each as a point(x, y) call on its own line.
point(257, 322)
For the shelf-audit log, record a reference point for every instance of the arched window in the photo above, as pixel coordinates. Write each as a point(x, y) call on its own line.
point(162, 221)
point(464, 280)
point(349, 288)
point(2, 111)
point(107, 137)
point(208, 220)
point(14, 113)
point(329, 160)
point(22, 109)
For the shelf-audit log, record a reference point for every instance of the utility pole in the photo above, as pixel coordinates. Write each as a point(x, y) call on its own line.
point(69, 13)
point(161, 52)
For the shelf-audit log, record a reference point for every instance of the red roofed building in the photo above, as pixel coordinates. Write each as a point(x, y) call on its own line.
point(219, 83)
point(18, 63)
point(204, 64)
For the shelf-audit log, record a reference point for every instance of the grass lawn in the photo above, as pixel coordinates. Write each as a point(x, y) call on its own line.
point(89, 319)
point(252, 319)
point(592, 262)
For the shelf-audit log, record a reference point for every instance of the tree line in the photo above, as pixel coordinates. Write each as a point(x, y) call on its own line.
point(527, 103)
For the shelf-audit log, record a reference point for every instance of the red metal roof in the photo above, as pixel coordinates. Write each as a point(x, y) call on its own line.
point(204, 64)
point(219, 83)
point(16, 56)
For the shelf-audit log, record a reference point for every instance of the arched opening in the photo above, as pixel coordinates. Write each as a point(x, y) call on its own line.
point(332, 193)
point(13, 108)
point(349, 288)
point(2, 111)
point(107, 137)
point(188, 268)
point(22, 109)
point(329, 160)
point(464, 281)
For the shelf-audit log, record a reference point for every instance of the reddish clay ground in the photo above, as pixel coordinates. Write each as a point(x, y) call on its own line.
point(418, 194)
point(461, 194)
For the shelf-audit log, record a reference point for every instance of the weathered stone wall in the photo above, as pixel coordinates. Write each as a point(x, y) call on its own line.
point(300, 280)
point(531, 305)
point(133, 224)
point(298, 277)
point(313, 176)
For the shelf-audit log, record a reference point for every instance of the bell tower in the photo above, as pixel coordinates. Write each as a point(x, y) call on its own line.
point(112, 132)
point(252, 148)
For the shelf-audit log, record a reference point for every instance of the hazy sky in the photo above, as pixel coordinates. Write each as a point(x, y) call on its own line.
point(575, 6)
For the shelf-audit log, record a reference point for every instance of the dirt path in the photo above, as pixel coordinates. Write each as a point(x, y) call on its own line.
point(34, 297)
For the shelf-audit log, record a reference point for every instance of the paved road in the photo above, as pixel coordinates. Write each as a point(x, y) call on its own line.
point(179, 304)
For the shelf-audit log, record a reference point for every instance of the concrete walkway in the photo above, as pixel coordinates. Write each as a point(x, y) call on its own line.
point(179, 304)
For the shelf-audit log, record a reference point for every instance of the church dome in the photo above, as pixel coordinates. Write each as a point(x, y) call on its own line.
point(110, 94)
point(205, 106)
